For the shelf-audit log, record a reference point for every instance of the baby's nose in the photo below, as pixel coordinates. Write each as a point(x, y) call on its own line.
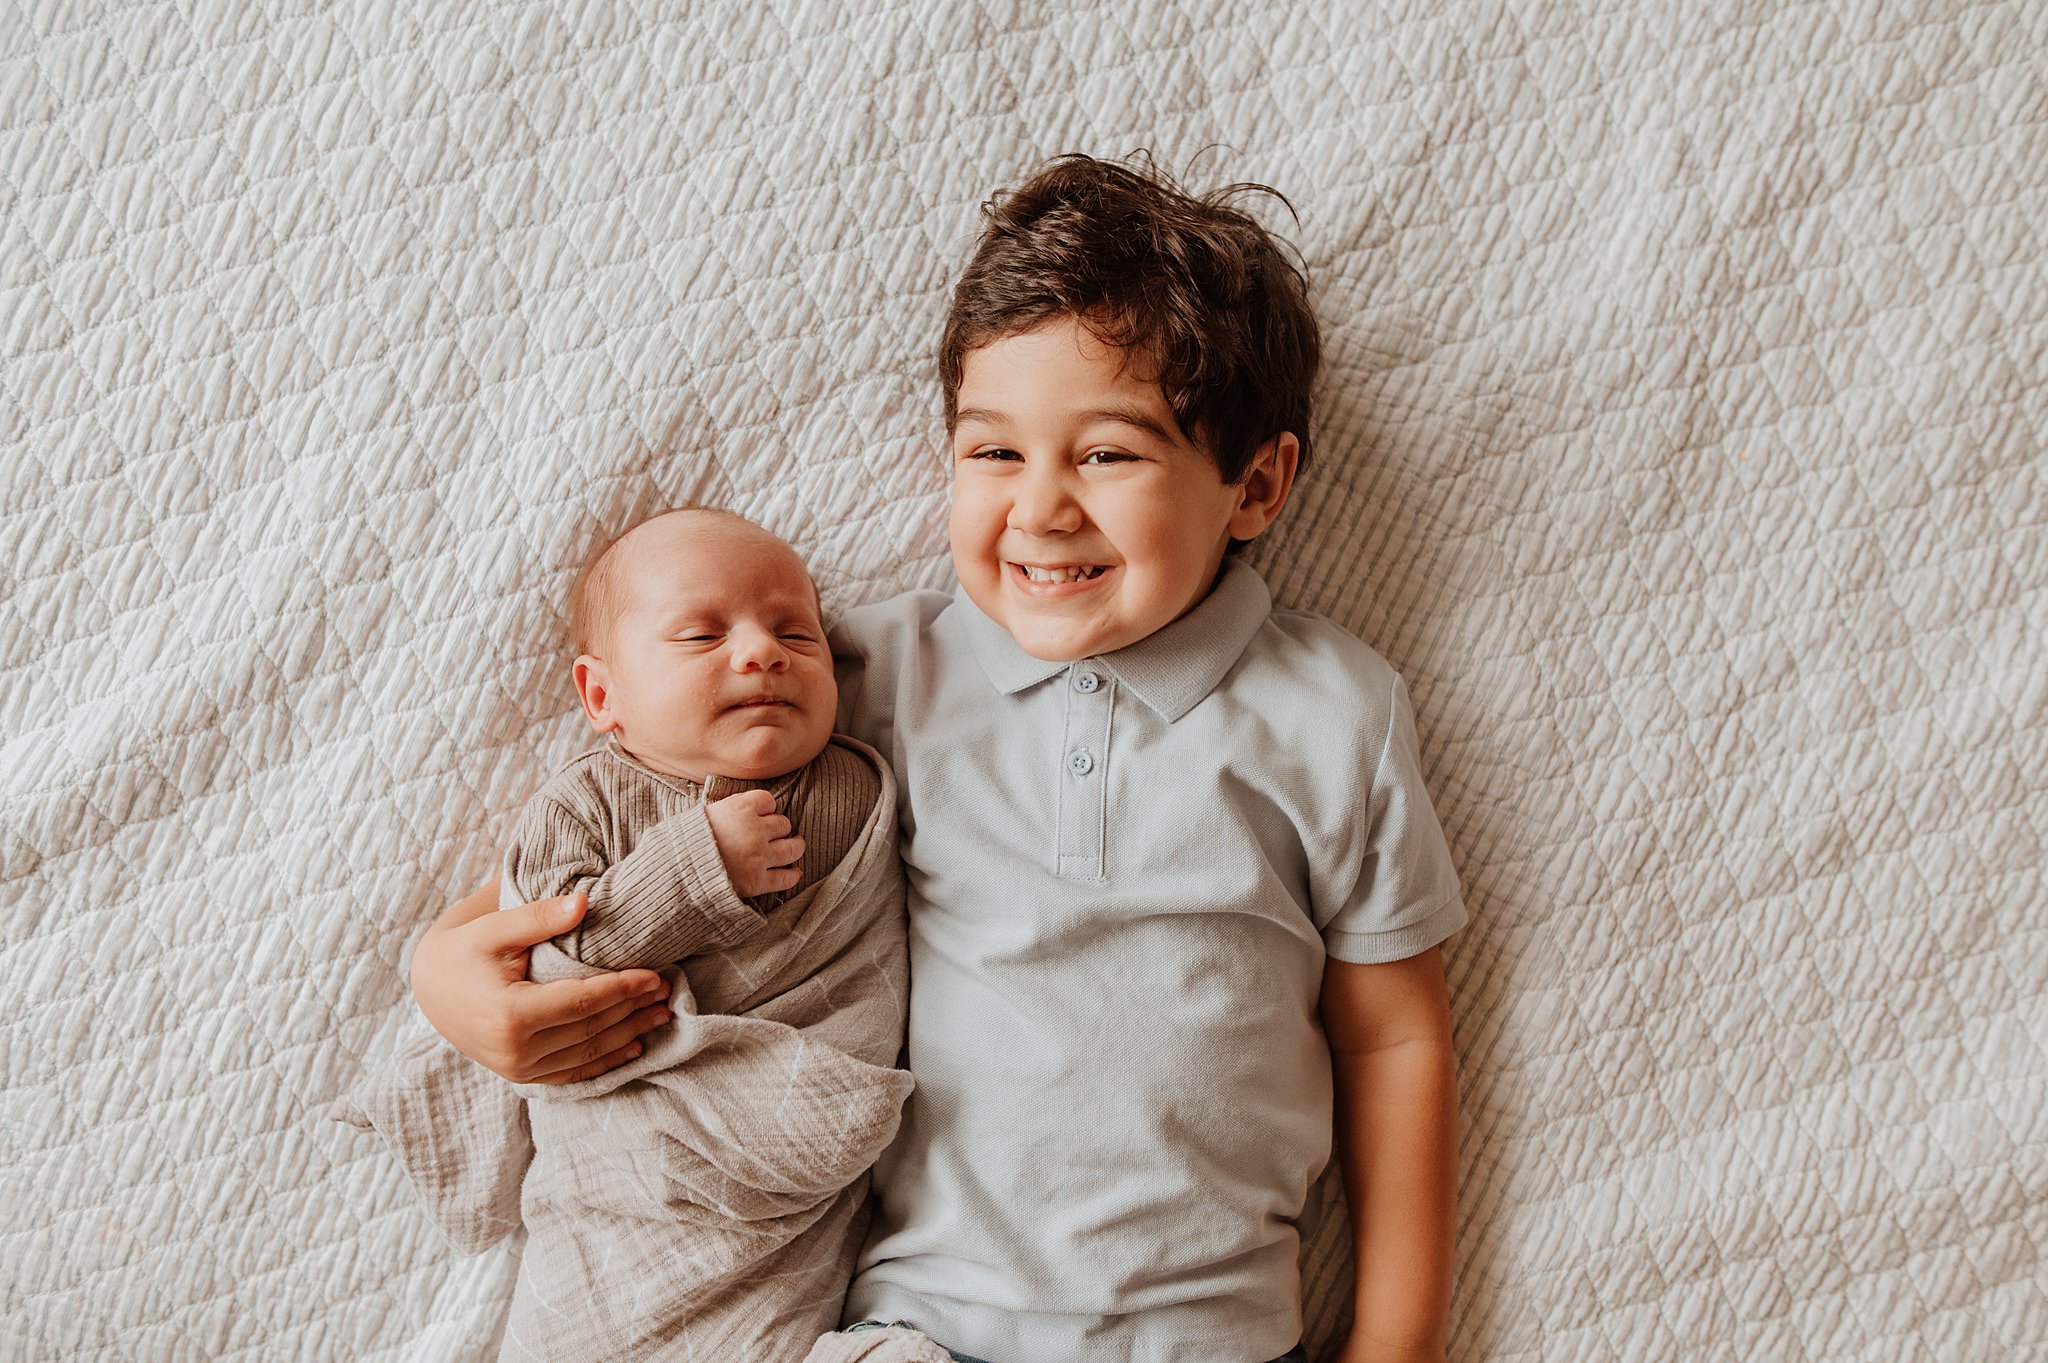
point(759, 650)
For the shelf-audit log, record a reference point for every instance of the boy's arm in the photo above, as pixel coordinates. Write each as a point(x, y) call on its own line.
point(469, 979)
point(1389, 1028)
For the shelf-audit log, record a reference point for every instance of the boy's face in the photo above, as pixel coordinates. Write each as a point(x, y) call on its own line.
point(716, 662)
point(1083, 518)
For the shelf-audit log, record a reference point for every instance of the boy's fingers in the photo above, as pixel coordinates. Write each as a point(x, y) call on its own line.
point(783, 851)
point(560, 1016)
point(563, 1036)
point(529, 925)
point(592, 1069)
point(562, 1010)
point(602, 1049)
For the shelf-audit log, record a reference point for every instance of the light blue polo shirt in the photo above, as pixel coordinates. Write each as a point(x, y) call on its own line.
point(1124, 874)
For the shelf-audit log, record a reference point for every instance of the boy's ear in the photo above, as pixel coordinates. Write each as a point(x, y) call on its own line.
point(593, 688)
point(1263, 489)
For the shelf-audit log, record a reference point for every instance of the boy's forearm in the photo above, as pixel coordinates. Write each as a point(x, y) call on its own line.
point(1389, 1027)
point(1397, 1134)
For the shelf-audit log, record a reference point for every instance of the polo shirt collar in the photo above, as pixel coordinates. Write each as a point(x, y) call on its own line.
point(1171, 671)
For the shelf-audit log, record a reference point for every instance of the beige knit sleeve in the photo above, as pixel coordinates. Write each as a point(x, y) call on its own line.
point(668, 898)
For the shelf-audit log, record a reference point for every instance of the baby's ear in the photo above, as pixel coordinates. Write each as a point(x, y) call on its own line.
point(593, 688)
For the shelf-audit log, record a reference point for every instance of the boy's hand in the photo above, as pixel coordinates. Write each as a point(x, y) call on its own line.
point(469, 978)
point(755, 842)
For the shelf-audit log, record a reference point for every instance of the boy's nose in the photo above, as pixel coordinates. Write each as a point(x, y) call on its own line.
point(1045, 504)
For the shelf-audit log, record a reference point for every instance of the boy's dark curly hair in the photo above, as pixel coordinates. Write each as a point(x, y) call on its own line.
point(1194, 284)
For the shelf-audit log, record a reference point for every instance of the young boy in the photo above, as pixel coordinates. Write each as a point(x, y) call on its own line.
point(1162, 839)
point(705, 1201)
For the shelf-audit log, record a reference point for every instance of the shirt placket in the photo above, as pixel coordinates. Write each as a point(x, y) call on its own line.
point(1084, 771)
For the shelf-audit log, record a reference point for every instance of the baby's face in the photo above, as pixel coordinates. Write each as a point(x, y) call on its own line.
point(716, 662)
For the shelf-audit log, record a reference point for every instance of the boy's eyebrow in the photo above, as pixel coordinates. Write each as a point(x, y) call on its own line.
point(1118, 413)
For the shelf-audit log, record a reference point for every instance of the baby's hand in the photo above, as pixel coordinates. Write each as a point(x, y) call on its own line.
point(755, 843)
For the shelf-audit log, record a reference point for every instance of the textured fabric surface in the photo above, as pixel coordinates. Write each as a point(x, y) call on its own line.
point(893, 1344)
point(1681, 444)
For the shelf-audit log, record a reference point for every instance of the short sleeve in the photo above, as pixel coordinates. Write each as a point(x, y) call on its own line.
point(1389, 891)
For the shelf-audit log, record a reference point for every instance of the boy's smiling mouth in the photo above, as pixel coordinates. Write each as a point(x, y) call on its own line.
point(1060, 576)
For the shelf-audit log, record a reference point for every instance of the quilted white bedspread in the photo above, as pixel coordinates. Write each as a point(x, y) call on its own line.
point(1682, 441)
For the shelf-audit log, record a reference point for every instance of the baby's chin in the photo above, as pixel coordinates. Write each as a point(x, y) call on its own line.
point(764, 771)
point(763, 759)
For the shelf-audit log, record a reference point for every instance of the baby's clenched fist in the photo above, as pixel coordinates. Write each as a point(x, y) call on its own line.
point(756, 844)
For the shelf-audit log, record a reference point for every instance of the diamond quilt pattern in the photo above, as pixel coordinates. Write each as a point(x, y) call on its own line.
point(1682, 442)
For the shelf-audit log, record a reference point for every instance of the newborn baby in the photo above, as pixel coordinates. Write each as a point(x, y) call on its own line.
point(702, 657)
point(706, 1199)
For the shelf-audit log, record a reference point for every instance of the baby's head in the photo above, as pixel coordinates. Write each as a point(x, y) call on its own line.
point(1126, 371)
point(700, 647)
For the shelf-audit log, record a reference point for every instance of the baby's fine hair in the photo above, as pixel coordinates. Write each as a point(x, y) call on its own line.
point(594, 596)
point(1195, 285)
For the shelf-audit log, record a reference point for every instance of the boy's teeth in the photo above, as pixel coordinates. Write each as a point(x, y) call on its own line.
point(1057, 574)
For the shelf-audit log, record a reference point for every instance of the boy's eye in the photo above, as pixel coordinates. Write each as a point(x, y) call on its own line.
point(997, 453)
point(1107, 457)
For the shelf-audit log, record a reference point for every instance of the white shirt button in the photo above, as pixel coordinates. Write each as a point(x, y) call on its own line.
point(1079, 762)
point(1087, 683)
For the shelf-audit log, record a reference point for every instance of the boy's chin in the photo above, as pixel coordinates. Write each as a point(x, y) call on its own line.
point(1039, 628)
point(1050, 652)
point(1056, 645)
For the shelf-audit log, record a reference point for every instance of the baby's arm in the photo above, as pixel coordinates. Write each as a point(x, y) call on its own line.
point(1397, 1138)
point(679, 892)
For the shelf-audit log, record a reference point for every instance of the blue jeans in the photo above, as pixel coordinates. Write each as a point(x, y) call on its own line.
point(1293, 1355)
